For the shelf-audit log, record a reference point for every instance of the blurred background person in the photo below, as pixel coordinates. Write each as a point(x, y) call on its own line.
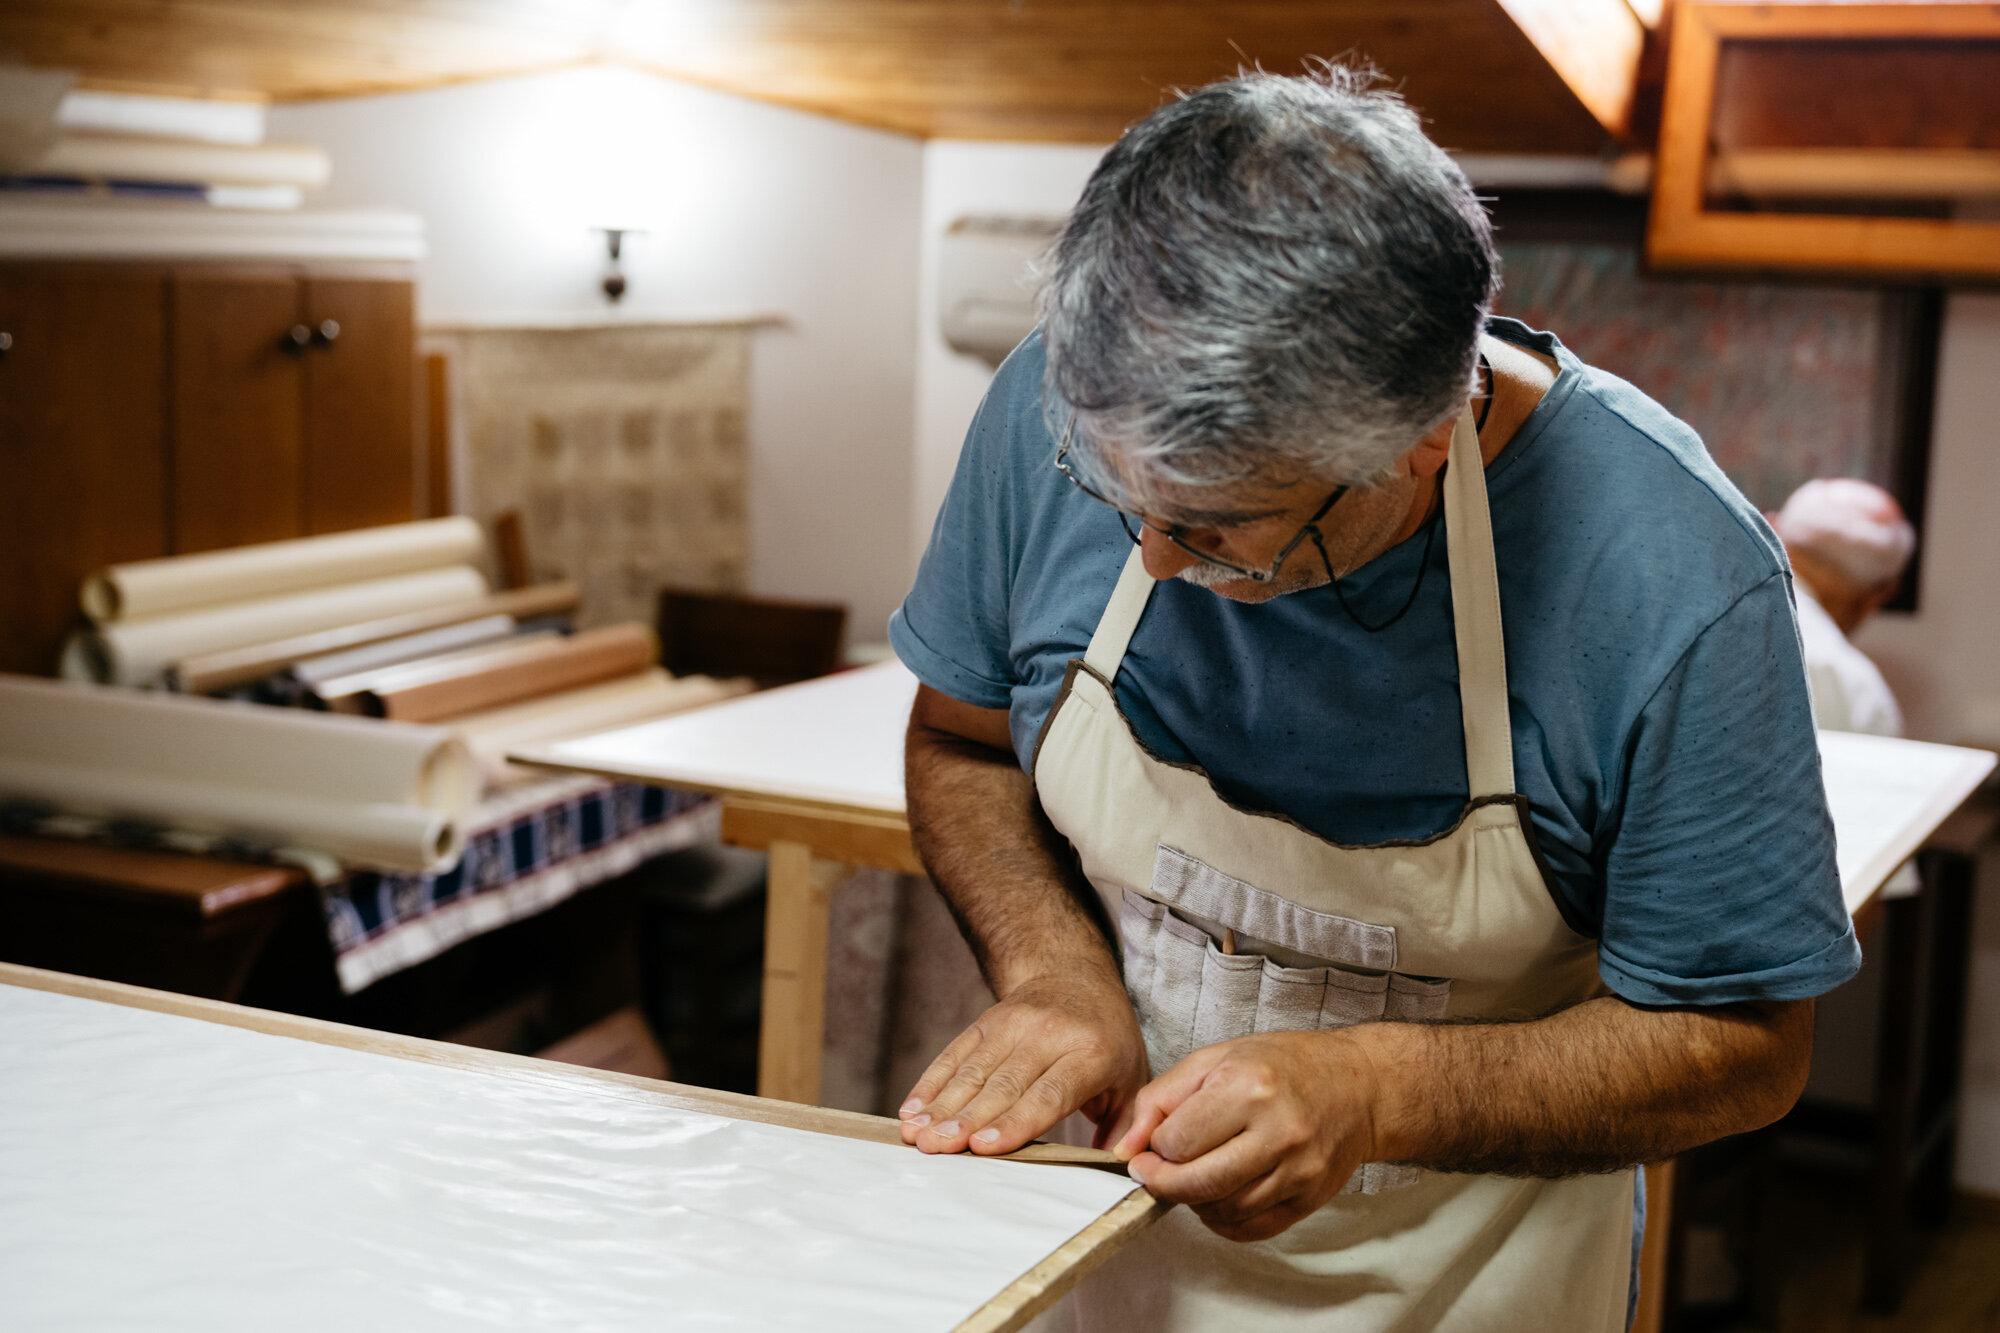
point(1849, 544)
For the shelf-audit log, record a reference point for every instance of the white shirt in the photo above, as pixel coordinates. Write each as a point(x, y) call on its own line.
point(1848, 693)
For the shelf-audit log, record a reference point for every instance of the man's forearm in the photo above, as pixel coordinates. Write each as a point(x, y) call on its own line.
point(1061, 1036)
point(1593, 1088)
point(1006, 874)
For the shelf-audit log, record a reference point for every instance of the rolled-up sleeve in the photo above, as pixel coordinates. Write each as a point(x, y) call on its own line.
point(1720, 879)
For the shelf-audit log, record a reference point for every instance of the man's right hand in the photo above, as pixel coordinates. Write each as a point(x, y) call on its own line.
point(1061, 1041)
point(1063, 1037)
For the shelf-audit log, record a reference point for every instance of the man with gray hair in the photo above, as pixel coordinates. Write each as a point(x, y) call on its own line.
point(1366, 748)
point(1849, 543)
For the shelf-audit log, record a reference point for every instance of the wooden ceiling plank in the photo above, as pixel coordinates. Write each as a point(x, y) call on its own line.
point(988, 69)
point(1006, 83)
point(1594, 45)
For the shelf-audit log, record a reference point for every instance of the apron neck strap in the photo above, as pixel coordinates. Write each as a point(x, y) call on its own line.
point(1475, 616)
point(1121, 617)
point(1475, 608)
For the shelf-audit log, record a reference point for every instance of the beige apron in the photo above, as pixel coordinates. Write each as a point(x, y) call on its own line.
point(1460, 925)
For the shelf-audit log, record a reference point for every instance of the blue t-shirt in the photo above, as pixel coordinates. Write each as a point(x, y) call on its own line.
point(1662, 729)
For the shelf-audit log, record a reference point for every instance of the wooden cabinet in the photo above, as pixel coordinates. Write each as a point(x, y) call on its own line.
point(359, 459)
point(158, 409)
point(83, 441)
point(236, 409)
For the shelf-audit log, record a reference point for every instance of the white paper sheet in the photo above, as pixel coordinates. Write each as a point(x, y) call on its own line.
point(1886, 796)
point(170, 1174)
point(837, 739)
point(617, 703)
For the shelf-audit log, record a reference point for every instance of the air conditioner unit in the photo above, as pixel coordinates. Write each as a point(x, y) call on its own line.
point(989, 282)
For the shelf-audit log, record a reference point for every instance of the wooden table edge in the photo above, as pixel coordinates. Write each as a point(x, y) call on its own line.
point(1077, 1258)
point(422, 1050)
point(680, 1096)
point(802, 803)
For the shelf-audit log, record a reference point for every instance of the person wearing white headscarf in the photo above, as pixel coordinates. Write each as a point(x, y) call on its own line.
point(1849, 543)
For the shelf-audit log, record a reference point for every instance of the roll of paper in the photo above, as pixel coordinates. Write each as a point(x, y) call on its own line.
point(234, 666)
point(369, 792)
point(651, 693)
point(405, 648)
point(180, 582)
point(530, 671)
point(351, 693)
point(381, 837)
point(139, 652)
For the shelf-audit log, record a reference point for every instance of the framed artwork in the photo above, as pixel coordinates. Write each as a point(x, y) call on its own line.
point(1784, 380)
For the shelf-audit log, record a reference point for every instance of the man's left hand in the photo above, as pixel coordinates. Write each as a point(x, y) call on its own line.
point(1255, 1133)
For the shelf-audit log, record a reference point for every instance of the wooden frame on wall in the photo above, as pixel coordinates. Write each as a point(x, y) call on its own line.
point(1685, 234)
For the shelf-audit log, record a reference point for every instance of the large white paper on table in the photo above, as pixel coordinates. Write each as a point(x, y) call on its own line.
point(1886, 796)
point(837, 739)
point(172, 1174)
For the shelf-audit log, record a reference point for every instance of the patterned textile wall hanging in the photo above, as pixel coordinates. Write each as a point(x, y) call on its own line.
point(621, 446)
point(1783, 381)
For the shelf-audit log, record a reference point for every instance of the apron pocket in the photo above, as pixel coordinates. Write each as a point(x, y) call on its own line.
point(1229, 986)
point(1289, 999)
point(1351, 998)
point(1416, 999)
point(1139, 929)
point(1165, 956)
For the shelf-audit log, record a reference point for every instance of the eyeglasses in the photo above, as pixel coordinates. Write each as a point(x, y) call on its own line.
point(1177, 532)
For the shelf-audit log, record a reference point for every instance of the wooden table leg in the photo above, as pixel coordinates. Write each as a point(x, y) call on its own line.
point(1653, 1249)
point(1887, 1249)
point(794, 1015)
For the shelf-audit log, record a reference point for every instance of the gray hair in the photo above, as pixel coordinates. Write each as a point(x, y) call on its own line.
point(1269, 276)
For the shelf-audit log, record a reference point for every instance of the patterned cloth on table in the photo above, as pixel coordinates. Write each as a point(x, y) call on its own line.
point(526, 849)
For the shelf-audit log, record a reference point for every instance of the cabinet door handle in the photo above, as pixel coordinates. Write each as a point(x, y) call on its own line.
point(327, 332)
point(295, 339)
point(6, 342)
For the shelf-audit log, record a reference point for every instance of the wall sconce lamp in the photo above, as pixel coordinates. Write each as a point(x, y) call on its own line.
point(614, 247)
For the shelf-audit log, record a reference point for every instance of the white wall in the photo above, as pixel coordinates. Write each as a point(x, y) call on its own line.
point(1032, 180)
point(749, 209)
point(1943, 661)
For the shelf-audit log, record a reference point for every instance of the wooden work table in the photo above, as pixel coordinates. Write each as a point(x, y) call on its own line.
point(806, 771)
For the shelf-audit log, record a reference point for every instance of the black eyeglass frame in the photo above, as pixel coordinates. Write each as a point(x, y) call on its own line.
point(1175, 534)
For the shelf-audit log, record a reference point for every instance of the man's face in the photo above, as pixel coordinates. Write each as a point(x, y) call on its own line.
point(1249, 525)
